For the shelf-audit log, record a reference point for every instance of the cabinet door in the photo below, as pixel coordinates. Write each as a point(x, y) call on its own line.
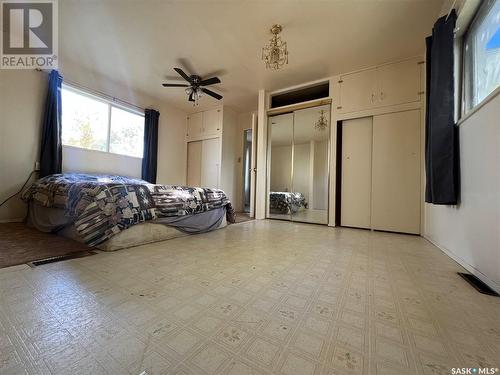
point(357, 91)
point(356, 183)
point(399, 83)
point(212, 122)
point(396, 169)
point(194, 125)
point(194, 163)
point(210, 163)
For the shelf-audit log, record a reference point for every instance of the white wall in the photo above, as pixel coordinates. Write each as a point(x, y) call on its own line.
point(21, 103)
point(22, 97)
point(470, 232)
point(90, 161)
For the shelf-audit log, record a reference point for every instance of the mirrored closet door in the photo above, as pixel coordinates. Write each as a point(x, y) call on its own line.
point(298, 162)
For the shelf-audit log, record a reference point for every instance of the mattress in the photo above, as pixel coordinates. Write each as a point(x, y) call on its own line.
point(54, 220)
point(136, 235)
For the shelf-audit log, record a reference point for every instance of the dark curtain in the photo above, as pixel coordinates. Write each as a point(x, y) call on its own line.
point(149, 159)
point(51, 146)
point(441, 136)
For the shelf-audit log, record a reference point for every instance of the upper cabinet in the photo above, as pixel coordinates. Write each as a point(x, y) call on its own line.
point(357, 90)
point(399, 83)
point(383, 86)
point(204, 124)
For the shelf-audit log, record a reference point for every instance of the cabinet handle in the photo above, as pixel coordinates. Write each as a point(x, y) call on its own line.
point(382, 95)
point(339, 107)
point(373, 98)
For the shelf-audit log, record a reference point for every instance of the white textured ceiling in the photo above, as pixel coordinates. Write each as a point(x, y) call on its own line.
point(137, 43)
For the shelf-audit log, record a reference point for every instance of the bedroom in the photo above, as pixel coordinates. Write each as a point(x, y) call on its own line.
point(249, 187)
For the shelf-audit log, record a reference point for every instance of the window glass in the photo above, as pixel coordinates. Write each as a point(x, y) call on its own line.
point(96, 124)
point(482, 54)
point(127, 133)
point(84, 121)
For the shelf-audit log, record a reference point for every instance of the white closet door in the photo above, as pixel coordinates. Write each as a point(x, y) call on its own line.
point(396, 172)
point(194, 163)
point(399, 83)
point(210, 163)
point(358, 91)
point(356, 182)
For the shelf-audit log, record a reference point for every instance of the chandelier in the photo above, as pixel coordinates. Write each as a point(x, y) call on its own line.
point(322, 122)
point(275, 54)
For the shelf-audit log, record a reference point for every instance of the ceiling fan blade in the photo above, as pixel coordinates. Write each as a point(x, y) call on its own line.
point(211, 93)
point(191, 97)
point(174, 85)
point(182, 74)
point(210, 81)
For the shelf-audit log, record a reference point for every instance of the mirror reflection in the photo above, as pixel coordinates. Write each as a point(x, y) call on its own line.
point(298, 164)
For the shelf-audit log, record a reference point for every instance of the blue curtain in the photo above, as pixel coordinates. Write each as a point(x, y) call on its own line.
point(150, 157)
point(51, 146)
point(441, 136)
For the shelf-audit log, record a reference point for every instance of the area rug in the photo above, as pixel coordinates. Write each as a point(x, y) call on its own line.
point(20, 244)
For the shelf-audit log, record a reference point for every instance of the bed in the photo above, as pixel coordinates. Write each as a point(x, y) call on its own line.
point(283, 202)
point(113, 212)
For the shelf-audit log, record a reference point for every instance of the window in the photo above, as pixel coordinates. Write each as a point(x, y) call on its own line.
point(482, 55)
point(97, 124)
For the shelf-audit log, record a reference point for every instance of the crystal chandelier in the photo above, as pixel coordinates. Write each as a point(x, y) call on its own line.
point(275, 54)
point(322, 122)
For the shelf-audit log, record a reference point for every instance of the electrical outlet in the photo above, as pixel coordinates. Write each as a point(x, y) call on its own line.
point(37, 166)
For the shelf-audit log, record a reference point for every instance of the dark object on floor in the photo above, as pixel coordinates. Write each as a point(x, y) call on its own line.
point(60, 258)
point(241, 217)
point(478, 284)
point(20, 244)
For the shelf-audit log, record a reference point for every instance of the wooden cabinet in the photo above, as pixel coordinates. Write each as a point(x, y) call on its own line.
point(211, 150)
point(204, 124)
point(195, 125)
point(212, 122)
point(399, 83)
point(386, 85)
point(357, 91)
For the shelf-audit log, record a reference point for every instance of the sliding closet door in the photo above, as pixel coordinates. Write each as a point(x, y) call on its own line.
point(396, 172)
point(311, 134)
point(210, 163)
point(280, 165)
point(356, 181)
point(194, 163)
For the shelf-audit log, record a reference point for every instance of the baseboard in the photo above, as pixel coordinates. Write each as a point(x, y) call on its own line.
point(15, 220)
point(485, 279)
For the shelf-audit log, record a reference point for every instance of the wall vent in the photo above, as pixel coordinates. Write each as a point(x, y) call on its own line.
point(478, 284)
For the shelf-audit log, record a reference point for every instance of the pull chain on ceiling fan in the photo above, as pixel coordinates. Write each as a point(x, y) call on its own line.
point(194, 87)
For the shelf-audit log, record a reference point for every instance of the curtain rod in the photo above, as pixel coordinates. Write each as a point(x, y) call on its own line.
point(98, 93)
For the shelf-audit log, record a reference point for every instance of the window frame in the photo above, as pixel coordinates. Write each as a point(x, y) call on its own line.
point(467, 108)
point(110, 102)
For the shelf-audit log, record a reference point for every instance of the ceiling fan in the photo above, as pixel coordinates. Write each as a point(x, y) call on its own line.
point(194, 86)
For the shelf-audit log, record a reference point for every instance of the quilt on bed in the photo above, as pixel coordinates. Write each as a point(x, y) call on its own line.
point(286, 202)
point(102, 206)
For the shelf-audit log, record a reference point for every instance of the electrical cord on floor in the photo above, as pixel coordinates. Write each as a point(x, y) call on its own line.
point(20, 190)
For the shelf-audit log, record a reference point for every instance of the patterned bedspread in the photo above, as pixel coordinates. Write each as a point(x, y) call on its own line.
point(102, 206)
point(286, 202)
